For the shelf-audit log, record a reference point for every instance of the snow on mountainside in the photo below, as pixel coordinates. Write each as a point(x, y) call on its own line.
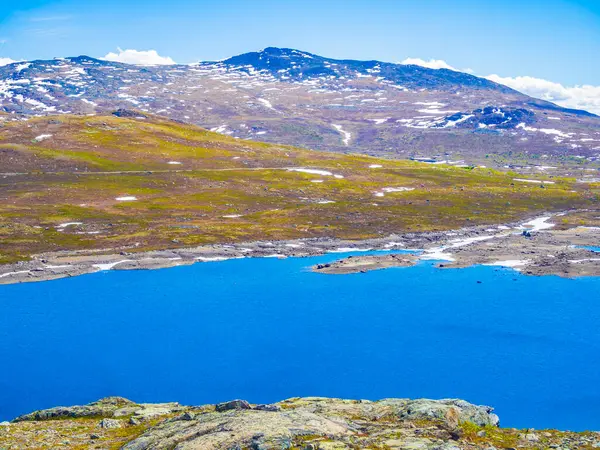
point(293, 97)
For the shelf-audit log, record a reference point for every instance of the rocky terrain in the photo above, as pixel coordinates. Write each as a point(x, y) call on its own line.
point(292, 97)
point(534, 248)
point(312, 423)
point(567, 253)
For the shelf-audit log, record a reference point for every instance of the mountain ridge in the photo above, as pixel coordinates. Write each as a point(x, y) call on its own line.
point(275, 50)
point(283, 53)
point(292, 97)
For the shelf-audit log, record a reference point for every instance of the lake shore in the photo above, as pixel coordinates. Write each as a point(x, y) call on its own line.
point(533, 247)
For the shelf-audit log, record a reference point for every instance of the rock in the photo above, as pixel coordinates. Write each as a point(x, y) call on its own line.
point(309, 423)
point(313, 423)
point(233, 404)
point(448, 446)
point(147, 411)
point(437, 409)
point(362, 264)
point(273, 408)
point(332, 446)
point(128, 113)
point(452, 417)
point(101, 408)
point(532, 437)
point(205, 431)
point(134, 421)
point(109, 423)
point(4, 424)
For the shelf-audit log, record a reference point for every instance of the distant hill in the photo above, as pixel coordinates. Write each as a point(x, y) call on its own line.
point(292, 97)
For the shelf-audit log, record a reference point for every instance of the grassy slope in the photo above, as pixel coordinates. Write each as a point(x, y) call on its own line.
point(63, 179)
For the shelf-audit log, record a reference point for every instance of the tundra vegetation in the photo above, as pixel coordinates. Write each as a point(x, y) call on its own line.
point(106, 183)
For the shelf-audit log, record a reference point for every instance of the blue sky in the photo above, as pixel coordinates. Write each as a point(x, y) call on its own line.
point(553, 39)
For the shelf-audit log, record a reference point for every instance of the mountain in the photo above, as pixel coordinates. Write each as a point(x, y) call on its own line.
point(293, 97)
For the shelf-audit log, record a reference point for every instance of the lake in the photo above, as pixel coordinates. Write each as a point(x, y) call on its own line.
point(268, 329)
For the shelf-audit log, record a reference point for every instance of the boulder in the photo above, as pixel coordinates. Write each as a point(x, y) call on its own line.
point(109, 424)
point(233, 404)
point(439, 409)
point(272, 408)
point(128, 113)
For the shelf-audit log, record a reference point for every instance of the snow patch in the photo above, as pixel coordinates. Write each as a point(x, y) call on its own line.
point(510, 263)
point(68, 224)
point(524, 180)
point(108, 266)
point(346, 135)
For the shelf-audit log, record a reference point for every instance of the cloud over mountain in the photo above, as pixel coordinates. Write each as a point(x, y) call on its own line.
point(431, 64)
point(584, 97)
point(434, 64)
point(6, 61)
point(580, 97)
point(139, 57)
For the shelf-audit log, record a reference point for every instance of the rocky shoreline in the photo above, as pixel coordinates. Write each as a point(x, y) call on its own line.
point(311, 423)
point(362, 264)
point(532, 247)
point(567, 253)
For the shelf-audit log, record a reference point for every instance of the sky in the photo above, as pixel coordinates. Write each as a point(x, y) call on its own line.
point(549, 47)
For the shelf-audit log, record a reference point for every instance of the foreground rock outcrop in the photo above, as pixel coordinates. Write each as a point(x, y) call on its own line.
point(298, 423)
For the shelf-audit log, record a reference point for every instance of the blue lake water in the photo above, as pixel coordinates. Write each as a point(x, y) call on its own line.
point(267, 329)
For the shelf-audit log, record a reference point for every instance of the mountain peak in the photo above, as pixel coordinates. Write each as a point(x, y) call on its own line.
point(272, 58)
point(84, 59)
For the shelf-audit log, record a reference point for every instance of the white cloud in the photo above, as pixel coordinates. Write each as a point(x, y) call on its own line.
point(584, 97)
point(140, 58)
point(6, 61)
point(579, 97)
point(431, 64)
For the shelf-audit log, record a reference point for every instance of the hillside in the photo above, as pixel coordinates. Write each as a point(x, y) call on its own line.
point(297, 98)
point(107, 183)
